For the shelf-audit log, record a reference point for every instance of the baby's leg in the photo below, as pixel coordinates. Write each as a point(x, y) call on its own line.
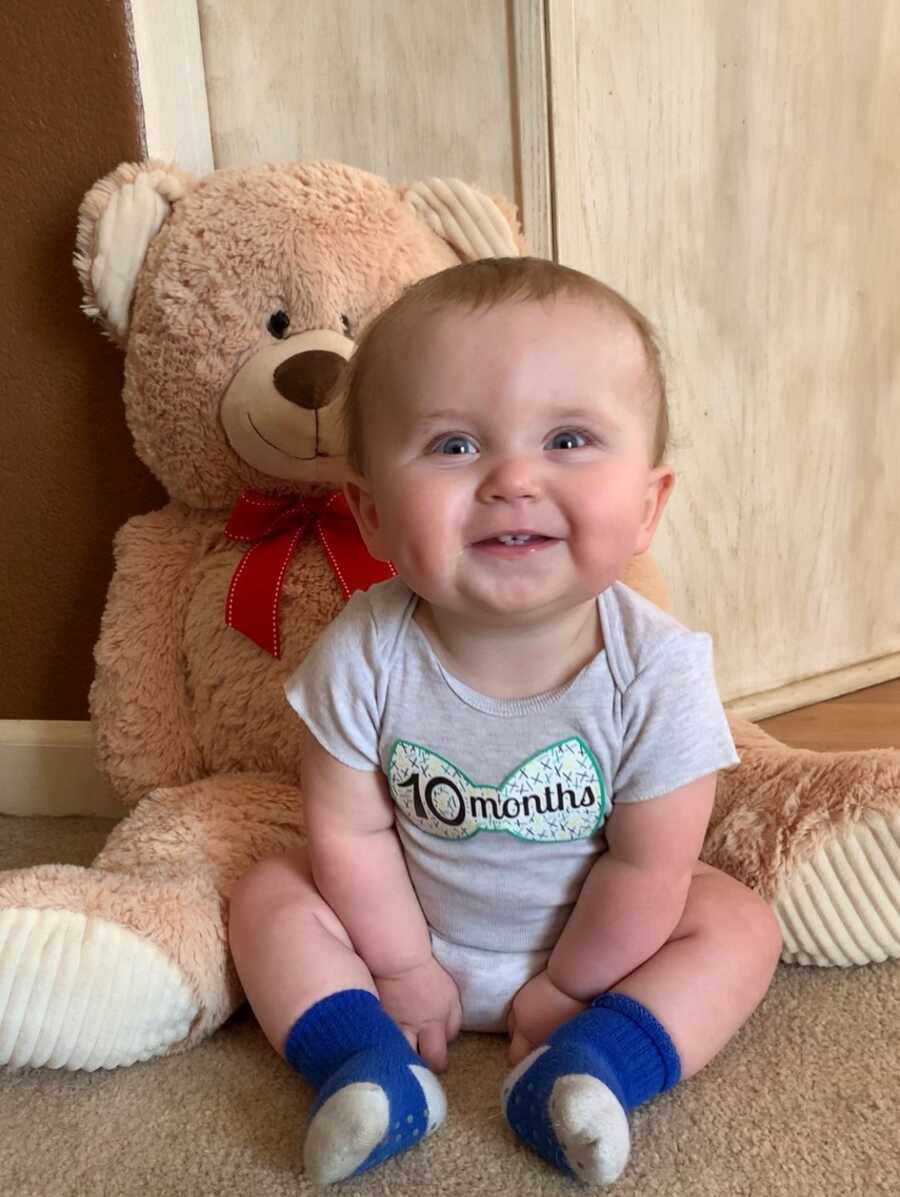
point(706, 981)
point(318, 1006)
point(289, 946)
point(664, 1021)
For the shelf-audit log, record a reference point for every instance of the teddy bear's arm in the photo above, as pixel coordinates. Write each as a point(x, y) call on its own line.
point(139, 698)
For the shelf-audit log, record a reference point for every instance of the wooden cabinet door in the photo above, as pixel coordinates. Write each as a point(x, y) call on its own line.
point(398, 87)
point(734, 169)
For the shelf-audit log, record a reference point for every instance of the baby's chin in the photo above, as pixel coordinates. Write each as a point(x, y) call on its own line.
point(510, 611)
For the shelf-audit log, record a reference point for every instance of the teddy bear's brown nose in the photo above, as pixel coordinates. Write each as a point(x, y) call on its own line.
point(307, 378)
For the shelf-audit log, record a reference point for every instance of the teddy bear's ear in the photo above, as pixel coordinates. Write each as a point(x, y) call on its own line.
point(117, 220)
point(475, 225)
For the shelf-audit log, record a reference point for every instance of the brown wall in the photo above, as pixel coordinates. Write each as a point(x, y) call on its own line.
point(68, 475)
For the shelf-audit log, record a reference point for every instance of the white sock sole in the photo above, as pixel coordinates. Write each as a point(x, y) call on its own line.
point(592, 1128)
point(353, 1121)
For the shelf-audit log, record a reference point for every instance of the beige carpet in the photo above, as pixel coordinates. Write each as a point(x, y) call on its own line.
point(803, 1102)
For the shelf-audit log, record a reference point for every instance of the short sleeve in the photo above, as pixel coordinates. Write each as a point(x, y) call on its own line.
point(674, 726)
point(335, 689)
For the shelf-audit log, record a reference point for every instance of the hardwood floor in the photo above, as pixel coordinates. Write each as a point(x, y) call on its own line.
point(867, 719)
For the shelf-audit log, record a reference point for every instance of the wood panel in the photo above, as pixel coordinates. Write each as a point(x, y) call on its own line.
point(734, 169)
point(398, 87)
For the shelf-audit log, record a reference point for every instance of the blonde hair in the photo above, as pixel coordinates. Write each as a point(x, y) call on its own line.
point(485, 284)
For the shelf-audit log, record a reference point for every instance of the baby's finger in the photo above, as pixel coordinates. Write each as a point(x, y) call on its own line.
point(433, 1046)
point(411, 1037)
point(519, 1048)
point(454, 1022)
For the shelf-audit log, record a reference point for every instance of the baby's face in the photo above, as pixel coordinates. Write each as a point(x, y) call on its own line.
point(508, 469)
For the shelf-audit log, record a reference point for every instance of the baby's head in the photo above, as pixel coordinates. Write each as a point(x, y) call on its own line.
point(506, 426)
point(484, 285)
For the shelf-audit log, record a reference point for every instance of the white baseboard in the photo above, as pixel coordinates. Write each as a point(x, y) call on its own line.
point(810, 690)
point(47, 767)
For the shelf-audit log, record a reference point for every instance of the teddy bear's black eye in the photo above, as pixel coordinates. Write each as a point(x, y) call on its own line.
point(345, 324)
point(278, 324)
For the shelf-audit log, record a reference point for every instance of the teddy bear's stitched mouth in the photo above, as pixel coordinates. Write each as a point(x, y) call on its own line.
point(278, 448)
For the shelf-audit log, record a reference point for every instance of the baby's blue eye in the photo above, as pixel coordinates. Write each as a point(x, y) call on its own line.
point(457, 446)
point(569, 438)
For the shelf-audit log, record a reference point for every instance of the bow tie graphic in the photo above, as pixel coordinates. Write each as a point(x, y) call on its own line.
point(555, 796)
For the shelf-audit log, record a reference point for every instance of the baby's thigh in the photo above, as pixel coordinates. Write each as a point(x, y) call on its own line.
point(487, 981)
point(282, 887)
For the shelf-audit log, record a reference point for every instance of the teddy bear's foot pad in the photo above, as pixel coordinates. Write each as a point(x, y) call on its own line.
point(82, 992)
point(842, 906)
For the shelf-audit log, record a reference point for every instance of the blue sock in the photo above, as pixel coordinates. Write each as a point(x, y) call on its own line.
point(568, 1099)
point(386, 1098)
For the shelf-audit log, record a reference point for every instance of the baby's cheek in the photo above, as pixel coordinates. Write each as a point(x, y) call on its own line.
point(419, 548)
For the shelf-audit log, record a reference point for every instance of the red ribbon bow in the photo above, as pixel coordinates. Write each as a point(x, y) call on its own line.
point(273, 524)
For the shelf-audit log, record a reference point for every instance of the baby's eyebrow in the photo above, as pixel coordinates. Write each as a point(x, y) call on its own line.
point(557, 412)
point(600, 414)
point(579, 413)
point(445, 415)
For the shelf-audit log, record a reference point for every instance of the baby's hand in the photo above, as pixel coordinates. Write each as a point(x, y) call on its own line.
point(425, 1003)
point(537, 1010)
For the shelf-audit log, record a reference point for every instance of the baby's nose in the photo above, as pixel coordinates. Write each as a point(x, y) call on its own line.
point(511, 478)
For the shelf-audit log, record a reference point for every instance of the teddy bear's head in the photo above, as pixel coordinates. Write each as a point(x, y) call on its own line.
point(237, 299)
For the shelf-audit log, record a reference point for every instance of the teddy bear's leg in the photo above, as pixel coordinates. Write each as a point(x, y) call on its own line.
point(128, 959)
point(818, 835)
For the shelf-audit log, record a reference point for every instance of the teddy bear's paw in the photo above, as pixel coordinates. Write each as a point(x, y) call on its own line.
point(842, 906)
point(82, 992)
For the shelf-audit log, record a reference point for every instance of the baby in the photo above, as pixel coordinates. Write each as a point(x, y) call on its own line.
point(510, 756)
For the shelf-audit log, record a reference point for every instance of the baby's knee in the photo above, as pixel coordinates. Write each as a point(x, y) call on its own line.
point(271, 885)
point(739, 917)
point(754, 925)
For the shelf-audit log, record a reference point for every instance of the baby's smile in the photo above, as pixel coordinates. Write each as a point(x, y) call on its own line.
point(514, 544)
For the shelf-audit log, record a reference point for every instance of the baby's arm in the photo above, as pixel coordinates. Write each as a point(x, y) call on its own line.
point(359, 870)
point(629, 905)
point(635, 894)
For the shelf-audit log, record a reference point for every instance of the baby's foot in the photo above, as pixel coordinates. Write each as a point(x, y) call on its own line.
point(568, 1100)
point(375, 1096)
point(567, 1116)
point(370, 1109)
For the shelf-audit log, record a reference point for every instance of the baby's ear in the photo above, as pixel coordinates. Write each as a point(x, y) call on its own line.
point(362, 505)
point(117, 220)
point(474, 224)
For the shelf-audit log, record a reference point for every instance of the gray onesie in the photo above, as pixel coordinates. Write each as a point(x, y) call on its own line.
point(500, 803)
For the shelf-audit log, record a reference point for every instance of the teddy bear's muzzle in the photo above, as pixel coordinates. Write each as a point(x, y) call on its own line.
point(281, 410)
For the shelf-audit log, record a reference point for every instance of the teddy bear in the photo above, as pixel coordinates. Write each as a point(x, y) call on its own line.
point(236, 299)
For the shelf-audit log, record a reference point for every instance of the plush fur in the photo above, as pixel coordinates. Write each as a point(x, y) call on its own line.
point(192, 726)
